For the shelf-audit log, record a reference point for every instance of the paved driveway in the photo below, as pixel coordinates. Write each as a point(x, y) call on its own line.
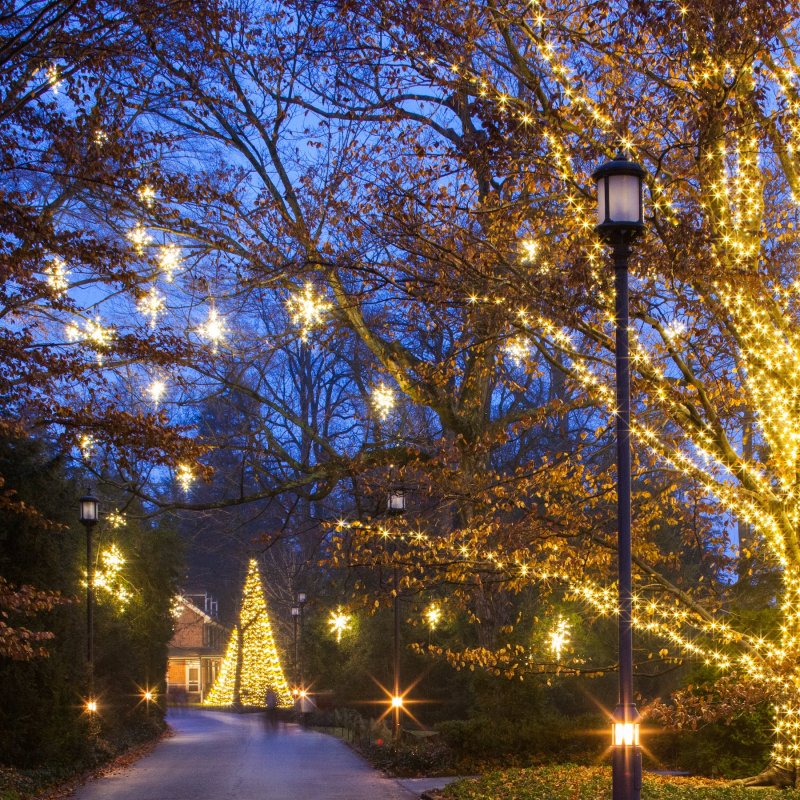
point(216, 755)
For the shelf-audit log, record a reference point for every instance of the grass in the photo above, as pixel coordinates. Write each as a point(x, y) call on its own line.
point(571, 782)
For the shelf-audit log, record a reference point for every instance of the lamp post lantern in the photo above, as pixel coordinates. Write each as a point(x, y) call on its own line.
point(89, 513)
point(619, 222)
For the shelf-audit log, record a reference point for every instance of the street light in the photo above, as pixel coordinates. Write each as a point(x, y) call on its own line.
point(619, 222)
point(89, 513)
point(300, 600)
point(397, 501)
point(396, 505)
point(295, 615)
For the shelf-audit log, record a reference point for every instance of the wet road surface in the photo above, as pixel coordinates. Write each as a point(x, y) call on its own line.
point(216, 755)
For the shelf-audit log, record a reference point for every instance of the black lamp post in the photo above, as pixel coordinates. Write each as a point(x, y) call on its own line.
point(295, 617)
point(619, 222)
point(301, 601)
point(396, 505)
point(89, 512)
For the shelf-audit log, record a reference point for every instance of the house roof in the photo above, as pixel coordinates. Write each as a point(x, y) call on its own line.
point(200, 613)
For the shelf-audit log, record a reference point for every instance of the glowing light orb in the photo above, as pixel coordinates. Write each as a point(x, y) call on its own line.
point(156, 390)
point(139, 238)
point(184, 475)
point(213, 328)
point(57, 275)
point(339, 622)
point(147, 195)
point(169, 260)
point(530, 249)
point(433, 615)
point(308, 310)
point(559, 637)
point(383, 401)
point(151, 305)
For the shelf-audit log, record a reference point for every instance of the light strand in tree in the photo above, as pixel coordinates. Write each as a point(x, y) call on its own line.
point(251, 666)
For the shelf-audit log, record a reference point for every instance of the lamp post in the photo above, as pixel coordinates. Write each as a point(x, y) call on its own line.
point(396, 505)
point(295, 617)
point(88, 512)
point(301, 601)
point(619, 222)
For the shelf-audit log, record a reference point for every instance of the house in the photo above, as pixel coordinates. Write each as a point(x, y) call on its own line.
point(195, 650)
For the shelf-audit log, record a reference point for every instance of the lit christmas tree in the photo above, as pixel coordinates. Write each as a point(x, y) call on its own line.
point(251, 665)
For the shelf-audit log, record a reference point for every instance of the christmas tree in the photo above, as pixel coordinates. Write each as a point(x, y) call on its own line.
point(251, 666)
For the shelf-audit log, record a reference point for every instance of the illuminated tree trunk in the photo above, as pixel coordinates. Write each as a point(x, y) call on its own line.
point(237, 679)
point(784, 769)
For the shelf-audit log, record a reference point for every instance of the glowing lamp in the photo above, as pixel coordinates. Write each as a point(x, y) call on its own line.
point(295, 611)
point(301, 597)
point(397, 501)
point(619, 197)
point(88, 510)
point(397, 701)
point(625, 734)
point(91, 706)
point(303, 693)
point(147, 695)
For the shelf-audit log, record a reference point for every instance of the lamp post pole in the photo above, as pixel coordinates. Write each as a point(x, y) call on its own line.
point(295, 617)
point(395, 704)
point(88, 513)
point(301, 601)
point(619, 222)
point(396, 505)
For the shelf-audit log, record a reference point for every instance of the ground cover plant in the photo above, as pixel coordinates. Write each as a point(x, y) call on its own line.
point(572, 782)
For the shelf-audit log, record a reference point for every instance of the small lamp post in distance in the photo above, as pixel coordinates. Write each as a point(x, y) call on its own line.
point(619, 223)
point(89, 514)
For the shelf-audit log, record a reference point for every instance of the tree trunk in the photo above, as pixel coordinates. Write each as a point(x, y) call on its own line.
point(237, 681)
point(784, 767)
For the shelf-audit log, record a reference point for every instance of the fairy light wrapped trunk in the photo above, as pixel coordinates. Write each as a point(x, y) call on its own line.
point(251, 666)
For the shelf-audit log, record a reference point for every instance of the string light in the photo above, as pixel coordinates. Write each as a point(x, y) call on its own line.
point(92, 332)
point(252, 667)
point(517, 350)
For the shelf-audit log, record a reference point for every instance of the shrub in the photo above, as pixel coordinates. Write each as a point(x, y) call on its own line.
point(484, 739)
point(411, 757)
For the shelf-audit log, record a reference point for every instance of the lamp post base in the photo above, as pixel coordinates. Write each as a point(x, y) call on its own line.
point(626, 772)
